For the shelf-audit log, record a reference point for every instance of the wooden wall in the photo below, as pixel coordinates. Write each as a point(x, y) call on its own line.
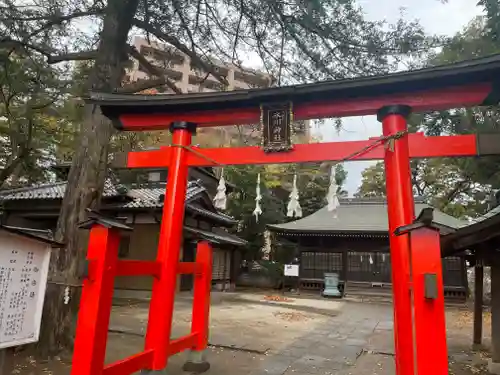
point(363, 260)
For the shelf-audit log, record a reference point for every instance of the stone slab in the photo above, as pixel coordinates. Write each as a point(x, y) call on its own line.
point(313, 364)
point(275, 365)
point(385, 325)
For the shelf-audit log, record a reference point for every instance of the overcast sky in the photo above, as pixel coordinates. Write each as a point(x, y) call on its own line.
point(437, 18)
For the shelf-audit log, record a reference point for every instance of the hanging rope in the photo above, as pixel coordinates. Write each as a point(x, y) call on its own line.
point(387, 140)
point(220, 199)
point(258, 198)
point(197, 153)
point(294, 209)
point(391, 141)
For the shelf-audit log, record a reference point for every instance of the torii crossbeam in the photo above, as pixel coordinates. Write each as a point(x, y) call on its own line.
point(416, 263)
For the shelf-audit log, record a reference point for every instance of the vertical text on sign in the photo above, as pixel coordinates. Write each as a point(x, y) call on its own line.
point(23, 277)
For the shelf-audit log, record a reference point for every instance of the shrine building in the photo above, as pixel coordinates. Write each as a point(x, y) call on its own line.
point(140, 205)
point(354, 242)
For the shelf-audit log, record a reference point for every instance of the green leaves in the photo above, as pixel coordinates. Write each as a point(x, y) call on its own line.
point(313, 182)
point(458, 186)
point(34, 130)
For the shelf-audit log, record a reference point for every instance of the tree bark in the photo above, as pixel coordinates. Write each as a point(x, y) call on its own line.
point(85, 182)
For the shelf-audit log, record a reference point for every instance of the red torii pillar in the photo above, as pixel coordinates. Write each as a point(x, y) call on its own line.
point(96, 304)
point(458, 85)
point(419, 321)
point(161, 308)
point(97, 295)
point(428, 294)
point(401, 211)
point(161, 311)
point(407, 305)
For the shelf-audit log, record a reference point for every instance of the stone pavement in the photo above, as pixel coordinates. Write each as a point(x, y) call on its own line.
point(266, 337)
point(252, 336)
point(330, 347)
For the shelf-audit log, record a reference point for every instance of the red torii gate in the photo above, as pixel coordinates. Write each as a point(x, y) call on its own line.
point(420, 335)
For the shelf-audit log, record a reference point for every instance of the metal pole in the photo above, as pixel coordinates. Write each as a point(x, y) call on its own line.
point(401, 209)
point(164, 287)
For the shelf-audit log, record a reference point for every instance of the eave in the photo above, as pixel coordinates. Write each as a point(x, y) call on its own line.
point(352, 234)
point(473, 236)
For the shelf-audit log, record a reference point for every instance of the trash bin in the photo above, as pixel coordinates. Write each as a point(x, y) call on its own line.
point(331, 285)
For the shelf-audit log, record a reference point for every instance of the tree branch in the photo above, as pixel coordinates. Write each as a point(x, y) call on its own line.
point(144, 84)
point(181, 47)
point(72, 56)
point(43, 105)
point(9, 43)
point(240, 19)
point(459, 187)
point(175, 3)
point(52, 21)
point(25, 151)
point(153, 70)
point(6, 172)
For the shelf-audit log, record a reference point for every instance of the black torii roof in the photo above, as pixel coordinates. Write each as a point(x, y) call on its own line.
point(475, 71)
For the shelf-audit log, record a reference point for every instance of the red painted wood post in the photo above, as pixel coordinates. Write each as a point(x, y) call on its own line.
point(96, 302)
point(401, 211)
point(201, 300)
point(201, 309)
point(164, 287)
point(430, 321)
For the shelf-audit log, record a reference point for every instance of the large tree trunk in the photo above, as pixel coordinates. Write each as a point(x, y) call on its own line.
point(85, 182)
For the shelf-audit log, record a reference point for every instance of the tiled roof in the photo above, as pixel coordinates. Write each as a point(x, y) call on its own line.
point(34, 234)
point(358, 215)
point(49, 191)
point(138, 197)
point(491, 213)
point(219, 216)
point(152, 197)
point(217, 236)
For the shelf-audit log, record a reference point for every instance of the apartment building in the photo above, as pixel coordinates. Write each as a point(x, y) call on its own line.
point(190, 78)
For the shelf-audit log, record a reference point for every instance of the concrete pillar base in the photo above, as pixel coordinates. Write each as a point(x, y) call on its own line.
point(493, 367)
point(196, 363)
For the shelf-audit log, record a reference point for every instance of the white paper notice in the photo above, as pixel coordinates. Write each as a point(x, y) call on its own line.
point(23, 277)
point(292, 270)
